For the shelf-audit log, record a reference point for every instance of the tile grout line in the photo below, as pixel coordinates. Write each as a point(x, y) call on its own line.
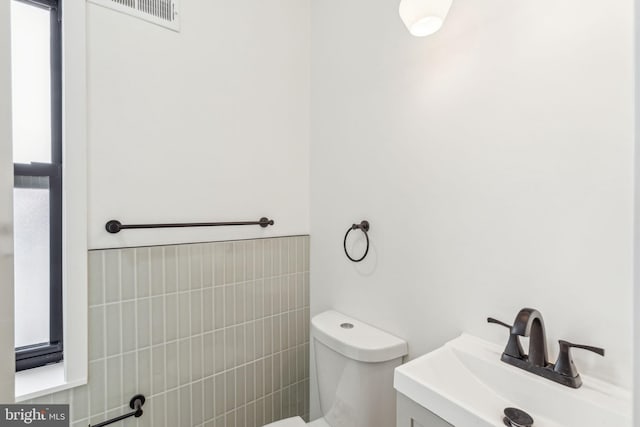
point(190, 340)
point(104, 326)
point(202, 330)
point(178, 322)
point(137, 320)
point(213, 320)
point(150, 347)
point(164, 327)
point(121, 326)
point(246, 316)
point(178, 292)
point(223, 294)
point(150, 329)
point(255, 347)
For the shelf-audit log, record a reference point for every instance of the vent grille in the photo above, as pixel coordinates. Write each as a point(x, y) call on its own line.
point(130, 3)
point(160, 12)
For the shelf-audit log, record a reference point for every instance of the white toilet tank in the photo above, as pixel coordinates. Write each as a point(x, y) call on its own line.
point(354, 367)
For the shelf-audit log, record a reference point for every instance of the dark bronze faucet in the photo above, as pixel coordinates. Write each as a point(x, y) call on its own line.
point(529, 323)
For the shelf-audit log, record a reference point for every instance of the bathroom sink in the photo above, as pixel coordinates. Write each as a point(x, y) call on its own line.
point(465, 383)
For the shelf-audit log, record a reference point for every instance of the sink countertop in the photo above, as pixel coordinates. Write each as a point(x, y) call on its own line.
point(465, 383)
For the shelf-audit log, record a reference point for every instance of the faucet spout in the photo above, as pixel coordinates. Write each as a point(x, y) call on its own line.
point(529, 323)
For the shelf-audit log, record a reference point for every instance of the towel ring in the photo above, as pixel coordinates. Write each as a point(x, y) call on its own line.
point(364, 226)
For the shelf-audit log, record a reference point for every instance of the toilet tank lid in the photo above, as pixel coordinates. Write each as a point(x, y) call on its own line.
point(360, 342)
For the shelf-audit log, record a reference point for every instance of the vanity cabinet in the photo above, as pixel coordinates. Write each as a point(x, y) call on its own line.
point(410, 414)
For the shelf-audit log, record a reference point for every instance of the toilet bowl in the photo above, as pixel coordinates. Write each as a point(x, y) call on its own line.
point(354, 366)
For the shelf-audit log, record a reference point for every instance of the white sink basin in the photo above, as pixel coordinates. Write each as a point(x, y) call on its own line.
point(465, 383)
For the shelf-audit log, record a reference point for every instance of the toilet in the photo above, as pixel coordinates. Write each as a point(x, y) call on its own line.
point(354, 366)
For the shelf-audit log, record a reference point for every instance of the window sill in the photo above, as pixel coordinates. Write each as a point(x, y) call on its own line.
point(42, 381)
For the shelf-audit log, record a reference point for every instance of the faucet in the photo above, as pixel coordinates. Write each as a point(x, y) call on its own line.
point(529, 323)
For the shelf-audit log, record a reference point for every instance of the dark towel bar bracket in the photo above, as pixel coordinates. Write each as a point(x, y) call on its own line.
point(114, 226)
point(135, 403)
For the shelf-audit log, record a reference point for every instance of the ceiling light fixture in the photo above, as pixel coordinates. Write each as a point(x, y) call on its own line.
point(424, 17)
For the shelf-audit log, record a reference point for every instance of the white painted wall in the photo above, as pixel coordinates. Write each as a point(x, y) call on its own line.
point(494, 161)
point(74, 178)
point(7, 352)
point(209, 124)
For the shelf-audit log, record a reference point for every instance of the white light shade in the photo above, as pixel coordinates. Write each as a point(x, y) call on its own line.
point(424, 17)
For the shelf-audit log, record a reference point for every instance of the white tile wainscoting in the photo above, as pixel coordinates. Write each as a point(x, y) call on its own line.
point(213, 334)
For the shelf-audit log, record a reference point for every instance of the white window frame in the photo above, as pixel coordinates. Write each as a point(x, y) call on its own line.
point(73, 371)
point(7, 350)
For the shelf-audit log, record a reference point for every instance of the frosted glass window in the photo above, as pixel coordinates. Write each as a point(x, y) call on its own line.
point(31, 83)
point(37, 157)
point(31, 230)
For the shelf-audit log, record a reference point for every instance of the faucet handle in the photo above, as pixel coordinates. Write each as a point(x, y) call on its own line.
point(513, 348)
point(497, 322)
point(564, 364)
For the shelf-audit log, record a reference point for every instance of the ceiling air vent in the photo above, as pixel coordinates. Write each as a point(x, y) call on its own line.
point(160, 12)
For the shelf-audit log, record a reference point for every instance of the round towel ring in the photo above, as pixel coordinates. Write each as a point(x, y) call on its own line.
point(364, 226)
